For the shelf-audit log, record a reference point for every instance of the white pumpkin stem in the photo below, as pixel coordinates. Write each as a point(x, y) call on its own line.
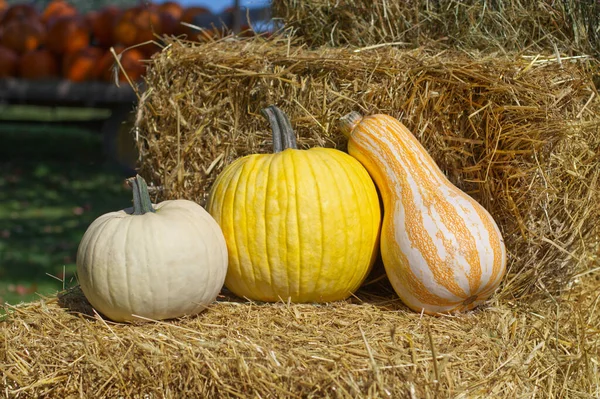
point(141, 199)
point(349, 121)
point(283, 134)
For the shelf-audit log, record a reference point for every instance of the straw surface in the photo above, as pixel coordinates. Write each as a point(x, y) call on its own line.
point(368, 347)
point(521, 135)
point(490, 25)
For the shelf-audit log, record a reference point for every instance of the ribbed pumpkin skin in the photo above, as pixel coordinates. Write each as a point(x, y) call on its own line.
point(159, 265)
point(442, 251)
point(301, 225)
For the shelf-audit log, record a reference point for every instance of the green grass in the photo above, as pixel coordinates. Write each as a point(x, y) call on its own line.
point(53, 184)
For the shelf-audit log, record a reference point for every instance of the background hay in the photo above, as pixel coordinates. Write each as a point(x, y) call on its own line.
point(490, 25)
point(521, 135)
point(369, 347)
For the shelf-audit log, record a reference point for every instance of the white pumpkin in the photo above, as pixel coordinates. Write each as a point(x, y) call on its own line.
point(153, 261)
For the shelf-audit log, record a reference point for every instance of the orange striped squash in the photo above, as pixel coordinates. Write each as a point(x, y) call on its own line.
point(442, 251)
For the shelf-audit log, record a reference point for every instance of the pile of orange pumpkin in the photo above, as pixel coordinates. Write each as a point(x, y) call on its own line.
point(58, 42)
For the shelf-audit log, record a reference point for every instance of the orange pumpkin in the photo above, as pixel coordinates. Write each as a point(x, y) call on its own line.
point(18, 11)
point(90, 18)
point(57, 9)
point(131, 61)
point(172, 8)
point(68, 34)
point(82, 65)
point(104, 68)
point(38, 64)
point(169, 23)
point(149, 50)
point(22, 33)
point(103, 26)
point(3, 8)
point(170, 14)
point(137, 25)
point(9, 61)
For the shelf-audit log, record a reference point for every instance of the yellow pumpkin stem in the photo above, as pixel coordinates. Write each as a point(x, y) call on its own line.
point(283, 134)
point(141, 198)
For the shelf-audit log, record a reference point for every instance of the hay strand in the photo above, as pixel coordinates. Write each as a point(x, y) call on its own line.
point(368, 347)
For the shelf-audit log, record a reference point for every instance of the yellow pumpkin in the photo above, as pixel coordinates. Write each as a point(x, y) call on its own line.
point(442, 251)
point(300, 225)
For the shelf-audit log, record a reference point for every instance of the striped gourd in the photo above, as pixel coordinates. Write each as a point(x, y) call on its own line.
point(442, 251)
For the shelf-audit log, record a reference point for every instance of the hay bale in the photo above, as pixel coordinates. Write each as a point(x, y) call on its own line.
point(368, 347)
point(520, 135)
point(499, 25)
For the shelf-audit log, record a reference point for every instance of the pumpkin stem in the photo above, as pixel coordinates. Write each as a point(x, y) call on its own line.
point(141, 199)
point(349, 121)
point(283, 134)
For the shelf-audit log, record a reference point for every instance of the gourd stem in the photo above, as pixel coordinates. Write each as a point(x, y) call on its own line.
point(283, 134)
point(141, 199)
point(349, 121)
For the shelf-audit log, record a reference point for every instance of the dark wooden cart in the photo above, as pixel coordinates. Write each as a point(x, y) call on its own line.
point(120, 101)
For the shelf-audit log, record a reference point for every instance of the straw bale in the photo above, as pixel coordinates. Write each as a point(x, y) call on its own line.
point(521, 135)
point(367, 347)
point(496, 25)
